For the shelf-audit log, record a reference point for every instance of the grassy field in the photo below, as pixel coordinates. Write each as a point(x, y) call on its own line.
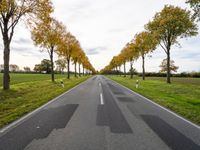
point(28, 92)
point(22, 78)
point(182, 96)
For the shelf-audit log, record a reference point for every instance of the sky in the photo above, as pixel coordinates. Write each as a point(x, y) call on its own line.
point(103, 28)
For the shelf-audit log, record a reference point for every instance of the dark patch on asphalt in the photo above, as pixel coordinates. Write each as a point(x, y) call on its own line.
point(94, 78)
point(110, 115)
point(172, 137)
point(102, 118)
point(37, 127)
point(115, 89)
point(125, 99)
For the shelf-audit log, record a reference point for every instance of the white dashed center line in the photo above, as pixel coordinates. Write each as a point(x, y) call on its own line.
point(101, 99)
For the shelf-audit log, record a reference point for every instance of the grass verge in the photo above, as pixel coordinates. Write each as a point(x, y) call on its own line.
point(182, 96)
point(26, 96)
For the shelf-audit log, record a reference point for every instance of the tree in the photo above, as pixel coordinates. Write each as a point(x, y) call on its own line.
point(61, 64)
point(81, 56)
point(124, 56)
point(145, 43)
point(67, 45)
point(163, 66)
point(38, 68)
point(45, 65)
point(133, 55)
point(84, 63)
point(75, 57)
point(13, 68)
point(169, 25)
point(47, 35)
point(195, 5)
point(11, 11)
point(1, 67)
point(27, 69)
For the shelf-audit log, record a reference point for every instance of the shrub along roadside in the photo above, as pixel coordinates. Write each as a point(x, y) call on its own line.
point(157, 74)
point(25, 97)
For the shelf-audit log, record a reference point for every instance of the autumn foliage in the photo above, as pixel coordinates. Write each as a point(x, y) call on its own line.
point(167, 26)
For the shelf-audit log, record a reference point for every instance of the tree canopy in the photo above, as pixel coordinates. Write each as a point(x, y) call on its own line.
point(195, 5)
point(11, 11)
point(168, 26)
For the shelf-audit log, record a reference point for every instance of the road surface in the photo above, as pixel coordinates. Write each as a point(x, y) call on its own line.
point(100, 114)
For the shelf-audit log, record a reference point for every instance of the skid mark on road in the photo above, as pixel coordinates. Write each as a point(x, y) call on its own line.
point(173, 138)
point(110, 115)
point(38, 127)
point(115, 89)
point(102, 117)
point(126, 99)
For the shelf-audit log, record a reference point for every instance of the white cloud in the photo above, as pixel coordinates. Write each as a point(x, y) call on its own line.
point(103, 28)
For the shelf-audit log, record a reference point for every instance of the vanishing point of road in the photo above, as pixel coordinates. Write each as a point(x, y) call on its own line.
point(100, 114)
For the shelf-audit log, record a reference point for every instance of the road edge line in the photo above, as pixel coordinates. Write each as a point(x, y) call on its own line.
point(170, 111)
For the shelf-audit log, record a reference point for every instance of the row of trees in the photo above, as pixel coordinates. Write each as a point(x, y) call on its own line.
point(60, 66)
point(167, 26)
point(52, 36)
point(13, 68)
point(11, 12)
point(47, 32)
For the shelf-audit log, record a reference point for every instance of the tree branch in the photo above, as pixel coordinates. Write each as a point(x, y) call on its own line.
point(163, 47)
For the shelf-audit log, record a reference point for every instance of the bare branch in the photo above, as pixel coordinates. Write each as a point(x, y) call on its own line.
point(163, 47)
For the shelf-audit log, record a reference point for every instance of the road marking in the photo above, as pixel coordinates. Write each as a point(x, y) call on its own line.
point(100, 84)
point(38, 109)
point(169, 111)
point(101, 99)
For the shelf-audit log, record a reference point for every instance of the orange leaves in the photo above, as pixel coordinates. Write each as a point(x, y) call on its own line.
point(70, 49)
point(47, 34)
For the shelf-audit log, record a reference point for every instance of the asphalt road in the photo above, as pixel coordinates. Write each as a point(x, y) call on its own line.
point(100, 114)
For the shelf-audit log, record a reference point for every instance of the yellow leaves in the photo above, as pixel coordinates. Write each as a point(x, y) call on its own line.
point(3, 6)
point(172, 22)
point(32, 11)
point(145, 42)
point(69, 48)
point(47, 34)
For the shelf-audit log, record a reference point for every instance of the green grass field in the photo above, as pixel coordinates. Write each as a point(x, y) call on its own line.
point(22, 78)
point(28, 92)
point(182, 96)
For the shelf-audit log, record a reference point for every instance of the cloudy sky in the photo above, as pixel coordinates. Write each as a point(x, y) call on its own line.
point(103, 27)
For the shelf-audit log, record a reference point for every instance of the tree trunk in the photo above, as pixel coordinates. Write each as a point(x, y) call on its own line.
point(68, 68)
point(75, 69)
point(131, 70)
point(6, 76)
point(52, 64)
point(124, 69)
point(143, 68)
point(168, 66)
point(79, 66)
point(120, 70)
point(83, 71)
